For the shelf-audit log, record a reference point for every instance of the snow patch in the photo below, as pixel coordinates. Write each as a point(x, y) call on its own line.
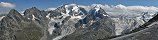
point(22, 14)
point(28, 18)
point(48, 15)
point(105, 15)
point(1, 18)
point(51, 29)
point(76, 17)
point(97, 7)
point(75, 9)
point(33, 17)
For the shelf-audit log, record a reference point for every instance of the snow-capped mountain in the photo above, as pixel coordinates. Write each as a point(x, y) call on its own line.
point(68, 22)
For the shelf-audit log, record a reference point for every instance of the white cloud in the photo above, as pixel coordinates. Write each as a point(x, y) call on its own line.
point(120, 9)
point(85, 7)
point(135, 8)
point(50, 9)
point(7, 5)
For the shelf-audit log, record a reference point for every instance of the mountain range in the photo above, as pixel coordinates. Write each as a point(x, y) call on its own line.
point(73, 22)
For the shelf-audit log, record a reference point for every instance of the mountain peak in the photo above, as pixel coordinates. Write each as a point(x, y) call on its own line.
point(34, 8)
point(32, 11)
point(15, 15)
point(13, 12)
point(97, 7)
point(71, 9)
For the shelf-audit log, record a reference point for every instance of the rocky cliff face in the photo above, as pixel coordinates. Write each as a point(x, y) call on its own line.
point(70, 22)
point(17, 27)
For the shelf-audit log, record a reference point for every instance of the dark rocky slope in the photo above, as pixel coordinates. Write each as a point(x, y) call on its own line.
point(17, 27)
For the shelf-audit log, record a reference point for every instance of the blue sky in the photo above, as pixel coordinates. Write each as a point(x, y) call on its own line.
point(44, 4)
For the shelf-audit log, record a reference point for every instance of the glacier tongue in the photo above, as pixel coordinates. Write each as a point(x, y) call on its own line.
point(123, 24)
point(52, 23)
point(68, 27)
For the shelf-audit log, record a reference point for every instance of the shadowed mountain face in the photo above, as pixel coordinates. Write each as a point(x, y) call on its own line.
point(71, 22)
point(17, 27)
